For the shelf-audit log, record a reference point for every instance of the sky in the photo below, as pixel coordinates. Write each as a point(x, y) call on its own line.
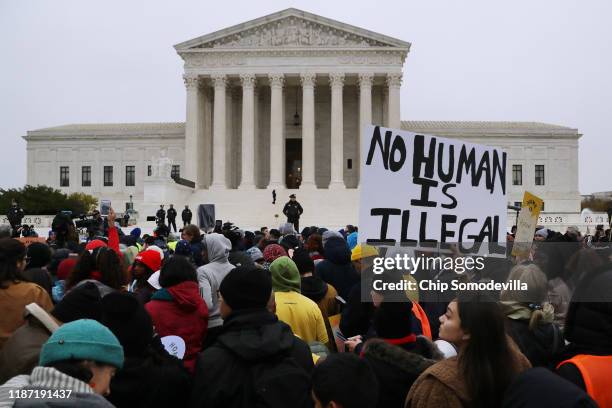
point(112, 61)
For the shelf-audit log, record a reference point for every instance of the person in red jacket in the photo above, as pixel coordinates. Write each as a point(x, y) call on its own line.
point(177, 308)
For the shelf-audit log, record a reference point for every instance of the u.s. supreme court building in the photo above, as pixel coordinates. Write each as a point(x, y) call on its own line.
point(277, 104)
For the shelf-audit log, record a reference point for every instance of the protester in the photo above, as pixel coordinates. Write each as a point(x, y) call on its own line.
point(336, 269)
point(21, 351)
point(256, 360)
point(314, 245)
point(487, 363)
point(237, 256)
point(100, 265)
point(587, 359)
point(177, 308)
point(271, 253)
point(300, 313)
point(191, 233)
point(150, 377)
point(146, 263)
point(344, 381)
point(15, 293)
point(529, 318)
point(39, 256)
point(79, 361)
point(313, 287)
point(211, 275)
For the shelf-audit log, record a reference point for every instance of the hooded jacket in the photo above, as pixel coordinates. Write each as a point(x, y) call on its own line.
point(249, 337)
point(211, 275)
point(179, 311)
point(337, 269)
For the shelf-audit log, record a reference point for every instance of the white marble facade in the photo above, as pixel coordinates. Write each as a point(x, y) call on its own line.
point(245, 85)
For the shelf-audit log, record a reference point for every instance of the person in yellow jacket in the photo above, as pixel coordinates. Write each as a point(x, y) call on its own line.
point(300, 313)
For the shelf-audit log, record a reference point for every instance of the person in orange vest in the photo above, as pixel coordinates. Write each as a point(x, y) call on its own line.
point(587, 359)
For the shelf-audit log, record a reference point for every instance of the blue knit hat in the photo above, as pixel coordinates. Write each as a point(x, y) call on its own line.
point(83, 339)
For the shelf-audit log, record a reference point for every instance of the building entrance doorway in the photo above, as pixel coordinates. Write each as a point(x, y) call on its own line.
point(293, 163)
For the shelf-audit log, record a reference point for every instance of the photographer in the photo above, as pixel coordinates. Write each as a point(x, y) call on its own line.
point(15, 214)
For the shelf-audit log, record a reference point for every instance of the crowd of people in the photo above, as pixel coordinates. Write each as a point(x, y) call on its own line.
point(276, 318)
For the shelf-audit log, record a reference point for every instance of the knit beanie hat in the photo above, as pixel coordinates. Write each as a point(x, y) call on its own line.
point(150, 258)
point(123, 314)
point(273, 251)
point(183, 248)
point(255, 254)
point(96, 243)
point(39, 254)
point(246, 287)
point(285, 275)
point(135, 232)
point(82, 302)
point(393, 320)
point(65, 268)
point(363, 251)
point(303, 261)
point(82, 340)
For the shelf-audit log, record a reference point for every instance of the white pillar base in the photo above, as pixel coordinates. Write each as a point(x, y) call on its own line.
point(336, 185)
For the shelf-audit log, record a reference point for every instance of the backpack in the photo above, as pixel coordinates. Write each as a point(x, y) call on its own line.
point(280, 383)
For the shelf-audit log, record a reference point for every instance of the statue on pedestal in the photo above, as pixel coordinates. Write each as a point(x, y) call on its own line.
point(161, 166)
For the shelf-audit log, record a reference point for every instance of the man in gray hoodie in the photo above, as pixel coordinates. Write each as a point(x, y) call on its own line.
point(210, 275)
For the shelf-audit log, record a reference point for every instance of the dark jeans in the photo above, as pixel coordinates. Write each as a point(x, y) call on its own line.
point(296, 225)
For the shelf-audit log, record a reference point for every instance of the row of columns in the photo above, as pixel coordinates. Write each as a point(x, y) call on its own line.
point(276, 81)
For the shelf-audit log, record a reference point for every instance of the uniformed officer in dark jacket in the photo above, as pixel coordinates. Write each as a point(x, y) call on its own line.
point(171, 218)
point(15, 214)
point(293, 210)
point(161, 215)
point(186, 216)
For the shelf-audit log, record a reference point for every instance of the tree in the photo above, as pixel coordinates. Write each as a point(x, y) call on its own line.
point(596, 204)
point(44, 200)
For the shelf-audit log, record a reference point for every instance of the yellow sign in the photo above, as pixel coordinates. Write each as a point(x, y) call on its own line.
point(527, 221)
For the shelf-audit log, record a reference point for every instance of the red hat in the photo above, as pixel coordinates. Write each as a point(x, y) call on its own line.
point(150, 258)
point(65, 268)
point(96, 243)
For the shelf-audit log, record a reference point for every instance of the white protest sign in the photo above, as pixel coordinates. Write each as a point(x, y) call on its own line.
point(423, 188)
point(174, 345)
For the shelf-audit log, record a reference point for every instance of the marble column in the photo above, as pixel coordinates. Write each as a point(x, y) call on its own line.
point(336, 82)
point(277, 144)
point(365, 111)
point(308, 130)
point(248, 131)
point(193, 138)
point(394, 81)
point(219, 132)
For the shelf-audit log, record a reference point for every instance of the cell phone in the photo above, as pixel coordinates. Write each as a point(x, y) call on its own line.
point(218, 223)
point(340, 336)
point(105, 206)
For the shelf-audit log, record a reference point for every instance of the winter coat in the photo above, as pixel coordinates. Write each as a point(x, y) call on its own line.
point(337, 269)
point(47, 378)
point(443, 385)
point(538, 345)
point(249, 337)
point(180, 311)
point(211, 275)
point(186, 215)
point(13, 301)
point(356, 315)
point(323, 294)
point(396, 369)
point(239, 258)
point(539, 387)
point(292, 211)
point(39, 276)
point(21, 351)
point(171, 214)
point(155, 379)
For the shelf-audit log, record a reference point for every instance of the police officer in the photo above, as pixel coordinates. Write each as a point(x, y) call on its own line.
point(15, 214)
point(171, 218)
point(293, 210)
point(161, 215)
point(186, 216)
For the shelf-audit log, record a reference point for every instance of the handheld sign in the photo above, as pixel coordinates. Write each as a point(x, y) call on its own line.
point(527, 220)
point(174, 345)
point(426, 189)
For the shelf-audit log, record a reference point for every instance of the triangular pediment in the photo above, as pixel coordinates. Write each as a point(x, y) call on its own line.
point(292, 28)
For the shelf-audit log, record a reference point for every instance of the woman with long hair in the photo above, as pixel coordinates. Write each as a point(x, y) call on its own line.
point(102, 265)
point(487, 363)
point(529, 317)
point(15, 292)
